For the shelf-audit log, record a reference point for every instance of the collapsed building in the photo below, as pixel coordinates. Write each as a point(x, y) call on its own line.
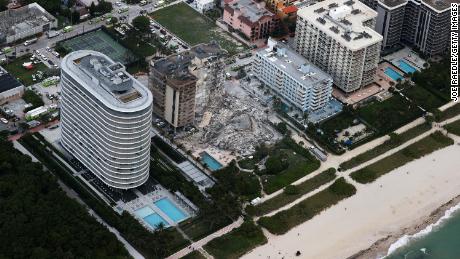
point(233, 121)
point(182, 83)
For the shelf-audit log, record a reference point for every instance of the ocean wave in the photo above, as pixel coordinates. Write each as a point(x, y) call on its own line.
point(404, 240)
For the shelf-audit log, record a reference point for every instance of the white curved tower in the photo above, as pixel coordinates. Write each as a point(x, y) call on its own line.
point(106, 118)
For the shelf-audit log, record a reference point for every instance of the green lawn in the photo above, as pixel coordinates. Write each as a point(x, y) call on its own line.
point(394, 142)
point(193, 27)
point(449, 113)
point(423, 97)
point(390, 114)
point(299, 163)
point(285, 220)
point(339, 122)
point(419, 149)
point(237, 242)
point(25, 76)
point(287, 197)
point(454, 127)
point(194, 255)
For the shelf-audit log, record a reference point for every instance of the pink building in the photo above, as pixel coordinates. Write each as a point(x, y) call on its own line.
point(250, 18)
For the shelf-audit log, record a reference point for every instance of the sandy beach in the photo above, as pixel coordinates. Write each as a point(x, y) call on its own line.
point(365, 225)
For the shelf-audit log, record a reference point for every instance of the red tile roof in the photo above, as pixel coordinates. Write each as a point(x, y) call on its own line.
point(290, 9)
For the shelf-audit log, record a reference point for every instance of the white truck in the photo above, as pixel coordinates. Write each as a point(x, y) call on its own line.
point(52, 34)
point(31, 41)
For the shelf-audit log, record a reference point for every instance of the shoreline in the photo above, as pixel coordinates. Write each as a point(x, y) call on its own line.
point(399, 203)
point(380, 248)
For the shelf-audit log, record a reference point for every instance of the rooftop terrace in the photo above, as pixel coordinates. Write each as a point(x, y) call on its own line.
point(344, 21)
point(107, 80)
point(292, 63)
point(252, 11)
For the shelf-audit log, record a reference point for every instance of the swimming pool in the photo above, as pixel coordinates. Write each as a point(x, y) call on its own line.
point(404, 66)
point(393, 74)
point(170, 210)
point(154, 220)
point(212, 163)
point(150, 217)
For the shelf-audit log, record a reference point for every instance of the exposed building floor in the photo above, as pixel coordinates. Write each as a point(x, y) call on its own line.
point(233, 124)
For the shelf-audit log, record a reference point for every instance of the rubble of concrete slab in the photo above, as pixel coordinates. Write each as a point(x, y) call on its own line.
point(233, 121)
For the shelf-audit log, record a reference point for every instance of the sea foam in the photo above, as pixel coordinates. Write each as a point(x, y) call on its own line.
point(404, 240)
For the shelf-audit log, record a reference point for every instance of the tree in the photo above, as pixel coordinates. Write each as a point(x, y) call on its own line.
point(3, 4)
point(92, 9)
point(75, 17)
point(142, 24)
point(114, 20)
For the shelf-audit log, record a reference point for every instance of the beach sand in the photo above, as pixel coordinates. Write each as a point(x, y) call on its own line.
point(401, 202)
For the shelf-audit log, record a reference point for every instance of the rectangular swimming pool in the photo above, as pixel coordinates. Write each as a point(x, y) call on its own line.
point(210, 161)
point(404, 66)
point(150, 217)
point(171, 210)
point(393, 74)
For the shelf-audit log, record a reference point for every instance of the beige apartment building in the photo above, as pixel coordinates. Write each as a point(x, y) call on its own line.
point(181, 83)
point(338, 36)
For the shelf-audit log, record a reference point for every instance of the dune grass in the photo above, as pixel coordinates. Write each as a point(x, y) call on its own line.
point(287, 197)
point(419, 149)
point(285, 220)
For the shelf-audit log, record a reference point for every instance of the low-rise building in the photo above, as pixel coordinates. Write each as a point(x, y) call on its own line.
point(181, 83)
point(23, 22)
point(10, 88)
point(292, 77)
point(250, 18)
point(204, 5)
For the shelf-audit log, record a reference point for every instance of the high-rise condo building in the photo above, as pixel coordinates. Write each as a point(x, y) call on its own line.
point(106, 119)
point(181, 83)
point(292, 77)
point(338, 36)
point(422, 24)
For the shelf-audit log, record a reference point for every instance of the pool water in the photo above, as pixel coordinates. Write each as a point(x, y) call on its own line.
point(149, 216)
point(171, 210)
point(154, 220)
point(393, 74)
point(404, 66)
point(212, 163)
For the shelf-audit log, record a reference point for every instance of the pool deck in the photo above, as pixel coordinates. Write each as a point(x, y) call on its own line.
point(149, 200)
point(408, 55)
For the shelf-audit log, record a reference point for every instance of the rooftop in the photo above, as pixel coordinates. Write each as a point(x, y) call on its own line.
point(107, 80)
point(27, 17)
point(176, 66)
point(251, 10)
point(437, 5)
point(393, 3)
point(343, 21)
point(440, 5)
point(7, 81)
point(292, 63)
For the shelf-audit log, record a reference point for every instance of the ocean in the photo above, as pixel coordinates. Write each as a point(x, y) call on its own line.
point(440, 240)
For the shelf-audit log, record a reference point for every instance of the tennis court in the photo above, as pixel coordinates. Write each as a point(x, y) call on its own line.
point(100, 41)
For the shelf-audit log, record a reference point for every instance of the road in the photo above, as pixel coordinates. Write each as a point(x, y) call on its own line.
point(43, 41)
point(198, 245)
